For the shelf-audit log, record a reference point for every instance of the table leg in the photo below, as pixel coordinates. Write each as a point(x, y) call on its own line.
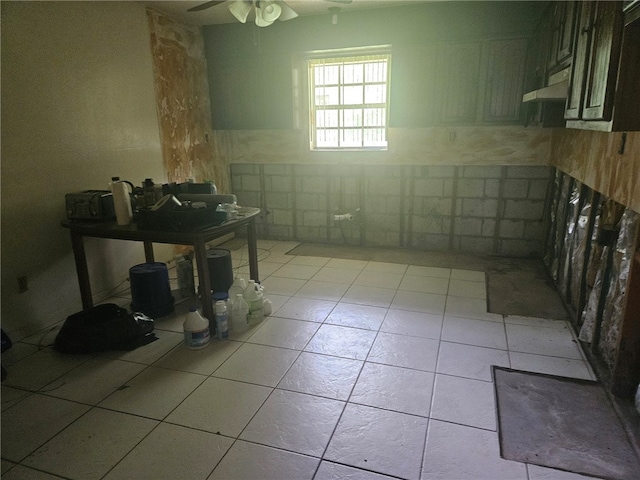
point(252, 246)
point(148, 252)
point(82, 271)
point(205, 282)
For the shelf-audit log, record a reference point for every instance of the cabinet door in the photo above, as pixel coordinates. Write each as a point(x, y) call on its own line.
point(575, 93)
point(566, 31)
point(458, 79)
point(506, 62)
point(413, 79)
point(603, 61)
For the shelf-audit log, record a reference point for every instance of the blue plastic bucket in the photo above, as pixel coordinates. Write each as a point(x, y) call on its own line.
point(150, 289)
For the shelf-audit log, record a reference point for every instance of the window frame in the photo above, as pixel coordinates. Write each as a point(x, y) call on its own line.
point(357, 55)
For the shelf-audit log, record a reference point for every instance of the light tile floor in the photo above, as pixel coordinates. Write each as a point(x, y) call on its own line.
point(364, 370)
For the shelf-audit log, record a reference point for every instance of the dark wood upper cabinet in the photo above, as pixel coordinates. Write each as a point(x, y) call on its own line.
point(413, 86)
point(458, 70)
point(575, 93)
point(602, 61)
point(506, 64)
point(626, 109)
point(563, 22)
point(603, 91)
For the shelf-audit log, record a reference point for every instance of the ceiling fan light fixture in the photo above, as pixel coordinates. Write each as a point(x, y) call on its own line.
point(240, 9)
point(260, 20)
point(287, 12)
point(270, 11)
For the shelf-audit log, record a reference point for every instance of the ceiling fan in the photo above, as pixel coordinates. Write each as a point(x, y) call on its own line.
point(266, 11)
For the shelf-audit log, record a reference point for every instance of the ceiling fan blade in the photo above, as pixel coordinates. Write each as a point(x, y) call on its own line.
point(205, 5)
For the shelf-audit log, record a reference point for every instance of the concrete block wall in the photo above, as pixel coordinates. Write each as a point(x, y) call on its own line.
point(475, 209)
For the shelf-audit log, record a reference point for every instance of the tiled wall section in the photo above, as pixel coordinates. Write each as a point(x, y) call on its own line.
point(476, 209)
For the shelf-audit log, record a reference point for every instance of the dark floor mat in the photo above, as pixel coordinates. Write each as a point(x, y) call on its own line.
point(529, 294)
point(562, 423)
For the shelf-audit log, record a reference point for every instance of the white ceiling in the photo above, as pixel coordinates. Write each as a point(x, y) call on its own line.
point(220, 13)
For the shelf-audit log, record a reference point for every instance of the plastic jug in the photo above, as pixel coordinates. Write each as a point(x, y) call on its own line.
point(196, 330)
point(239, 313)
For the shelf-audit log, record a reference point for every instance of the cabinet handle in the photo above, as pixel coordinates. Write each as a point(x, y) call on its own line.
point(623, 143)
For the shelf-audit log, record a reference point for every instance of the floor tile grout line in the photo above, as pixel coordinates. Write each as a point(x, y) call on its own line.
point(433, 396)
point(378, 331)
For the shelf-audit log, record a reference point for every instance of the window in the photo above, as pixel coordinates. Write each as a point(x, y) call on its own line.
point(349, 101)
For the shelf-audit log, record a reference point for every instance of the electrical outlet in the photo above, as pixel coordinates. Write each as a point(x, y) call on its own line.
point(23, 285)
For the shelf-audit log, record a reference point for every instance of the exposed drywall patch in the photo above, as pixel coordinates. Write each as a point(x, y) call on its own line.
point(485, 145)
point(182, 96)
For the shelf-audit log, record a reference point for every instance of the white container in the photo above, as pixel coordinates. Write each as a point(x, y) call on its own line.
point(239, 312)
point(196, 330)
point(267, 307)
point(254, 298)
point(122, 202)
point(237, 287)
point(184, 271)
point(222, 326)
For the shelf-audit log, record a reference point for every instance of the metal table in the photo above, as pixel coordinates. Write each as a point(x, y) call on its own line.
point(110, 229)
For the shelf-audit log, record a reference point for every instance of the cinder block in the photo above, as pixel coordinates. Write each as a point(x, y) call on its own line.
point(538, 189)
point(349, 186)
point(479, 208)
point(307, 201)
point(251, 183)
point(488, 228)
point(382, 239)
point(470, 187)
point(492, 188)
point(314, 219)
point(280, 184)
point(382, 221)
point(392, 205)
point(511, 229)
point(236, 184)
point(528, 172)
point(248, 199)
point(475, 245)
point(425, 224)
point(314, 184)
point(383, 186)
point(383, 171)
point(282, 217)
point(279, 169)
point(516, 188)
point(244, 168)
point(310, 170)
point(277, 200)
point(428, 187)
point(375, 203)
point(448, 187)
point(534, 231)
point(524, 209)
point(520, 248)
point(280, 232)
point(438, 243)
point(467, 226)
point(437, 171)
point(437, 206)
point(482, 171)
point(344, 170)
point(307, 233)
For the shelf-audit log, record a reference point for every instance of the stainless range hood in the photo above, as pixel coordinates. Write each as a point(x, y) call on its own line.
point(555, 91)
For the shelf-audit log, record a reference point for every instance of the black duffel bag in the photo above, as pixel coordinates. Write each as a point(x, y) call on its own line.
point(104, 327)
